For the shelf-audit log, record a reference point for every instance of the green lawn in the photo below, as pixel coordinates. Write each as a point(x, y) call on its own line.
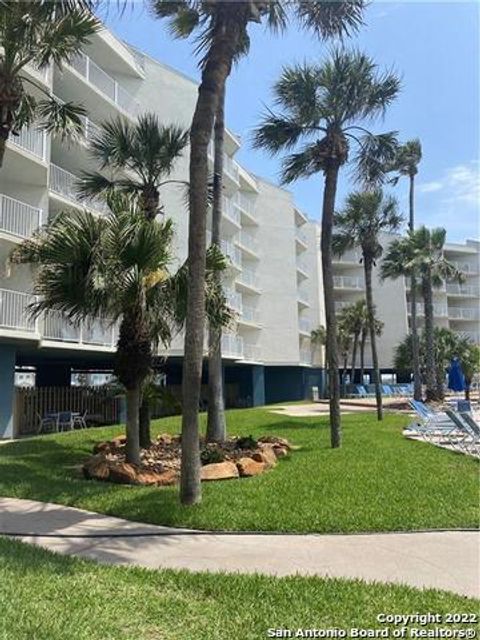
point(377, 481)
point(44, 596)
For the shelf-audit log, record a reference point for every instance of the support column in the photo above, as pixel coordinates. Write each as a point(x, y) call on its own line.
point(7, 390)
point(53, 374)
point(258, 385)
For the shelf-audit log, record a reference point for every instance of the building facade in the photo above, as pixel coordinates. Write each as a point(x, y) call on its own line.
point(274, 280)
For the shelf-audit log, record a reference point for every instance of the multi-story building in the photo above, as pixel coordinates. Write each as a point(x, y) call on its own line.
point(274, 279)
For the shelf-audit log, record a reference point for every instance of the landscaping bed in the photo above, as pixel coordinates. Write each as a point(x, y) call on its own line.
point(239, 457)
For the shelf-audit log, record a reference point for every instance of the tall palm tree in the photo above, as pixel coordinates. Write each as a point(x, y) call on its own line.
point(37, 34)
point(378, 324)
point(139, 159)
point(325, 106)
point(365, 217)
point(216, 423)
point(405, 163)
point(421, 251)
point(221, 30)
point(344, 342)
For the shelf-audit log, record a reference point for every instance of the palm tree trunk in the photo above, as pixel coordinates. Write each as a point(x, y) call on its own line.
point(367, 262)
point(3, 147)
point(440, 380)
point(362, 354)
point(417, 378)
point(354, 357)
point(214, 74)
point(431, 392)
point(331, 177)
point(216, 426)
point(132, 447)
point(144, 418)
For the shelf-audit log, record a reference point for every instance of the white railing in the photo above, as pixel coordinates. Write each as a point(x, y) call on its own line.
point(305, 356)
point(245, 203)
point(100, 79)
point(232, 252)
point(14, 310)
point(43, 73)
point(232, 345)
point(304, 325)
point(439, 310)
point(139, 59)
point(249, 278)
point(349, 256)
point(66, 184)
point(58, 328)
point(303, 297)
point(465, 267)
point(231, 167)
point(302, 266)
point(341, 304)
point(18, 218)
point(90, 129)
point(462, 290)
point(463, 313)
point(252, 352)
point(30, 140)
point(247, 241)
point(473, 336)
point(234, 300)
point(229, 210)
point(348, 282)
point(300, 236)
point(250, 314)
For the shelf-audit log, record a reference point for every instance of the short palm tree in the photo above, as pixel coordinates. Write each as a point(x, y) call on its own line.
point(115, 268)
point(37, 34)
point(221, 31)
point(405, 163)
point(139, 159)
point(324, 108)
point(355, 318)
point(421, 252)
point(344, 342)
point(365, 217)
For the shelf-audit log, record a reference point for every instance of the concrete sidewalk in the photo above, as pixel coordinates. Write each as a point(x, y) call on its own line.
point(447, 560)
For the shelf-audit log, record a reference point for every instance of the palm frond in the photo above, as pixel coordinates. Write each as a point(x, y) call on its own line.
point(63, 119)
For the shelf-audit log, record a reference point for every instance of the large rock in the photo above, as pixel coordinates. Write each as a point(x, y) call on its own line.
point(123, 473)
point(266, 455)
point(119, 441)
point(102, 447)
point(219, 471)
point(163, 479)
point(96, 467)
point(247, 467)
point(280, 452)
point(276, 441)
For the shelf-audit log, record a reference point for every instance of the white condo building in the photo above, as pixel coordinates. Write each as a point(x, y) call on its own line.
point(274, 281)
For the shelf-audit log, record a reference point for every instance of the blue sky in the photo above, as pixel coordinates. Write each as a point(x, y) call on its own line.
point(435, 48)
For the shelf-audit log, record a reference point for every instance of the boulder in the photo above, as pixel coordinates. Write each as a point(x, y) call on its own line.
point(123, 473)
point(102, 447)
point(163, 479)
point(280, 452)
point(219, 471)
point(266, 455)
point(97, 468)
point(247, 467)
point(275, 440)
point(165, 438)
point(119, 441)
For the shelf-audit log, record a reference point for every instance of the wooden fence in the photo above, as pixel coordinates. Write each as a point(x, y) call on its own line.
point(101, 405)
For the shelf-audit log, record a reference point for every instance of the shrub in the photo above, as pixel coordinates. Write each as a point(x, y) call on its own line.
point(248, 442)
point(211, 456)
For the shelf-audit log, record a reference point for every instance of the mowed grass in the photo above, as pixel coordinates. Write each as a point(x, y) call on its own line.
point(44, 596)
point(377, 480)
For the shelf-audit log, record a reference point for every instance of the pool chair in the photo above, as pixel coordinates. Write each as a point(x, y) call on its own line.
point(387, 390)
point(432, 425)
point(470, 442)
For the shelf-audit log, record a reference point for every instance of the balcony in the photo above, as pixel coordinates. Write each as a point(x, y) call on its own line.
point(232, 346)
point(230, 211)
point(229, 250)
point(301, 238)
point(349, 258)
point(30, 140)
point(302, 267)
point(234, 300)
point(304, 325)
point(247, 242)
point(14, 311)
point(306, 356)
point(248, 278)
point(18, 218)
point(246, 204)
point(439, 310)
point(348, 282)
point(463, 313)
point(473, 336)
point(462, 290)
point(65, 184)
point(303, 298)
point(58, 328)
point(465, 267)
point(252, 352)
point(231, 168)
point(250, 315)
point(104, 83)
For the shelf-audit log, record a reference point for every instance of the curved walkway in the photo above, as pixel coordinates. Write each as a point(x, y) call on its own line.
point(444, 559)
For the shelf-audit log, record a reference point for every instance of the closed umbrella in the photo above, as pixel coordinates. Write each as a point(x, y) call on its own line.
point(456, 379)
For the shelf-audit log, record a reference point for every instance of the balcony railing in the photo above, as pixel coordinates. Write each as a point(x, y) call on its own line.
point(245, 203)
point(302, 266)
point(252, 352)
point(462, 290)
point(348, 282)
point(18, 218)
point(14, 310)
point(90, 129)
point(232, 345)
point(305, 356)
point(247, 241)
point(249, 278)
point(30, 140)
point(250, 314)
point(100, 79)
point(58, 328)
point(66, 184)
point(234, 300)
point(439, 310)
point(349, 257)
point(463, 313)
point(230, 211)
point(465, 267)
point(304, 325)
point(473, 336)
point(301, 237)
point(231, 167)
point(303, 297)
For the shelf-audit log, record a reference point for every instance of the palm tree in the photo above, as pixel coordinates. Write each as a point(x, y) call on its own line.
point(421, 251)
point(139, 159)
point(407, 159)
point(216, 424)
point(354, 318)
point(221, 30)
point(322, 106)
point(344, 342)
point(367, 215)
point(36, 34)
point(378, 324)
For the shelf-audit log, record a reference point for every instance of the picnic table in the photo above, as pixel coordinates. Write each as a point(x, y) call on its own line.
point(62, 421)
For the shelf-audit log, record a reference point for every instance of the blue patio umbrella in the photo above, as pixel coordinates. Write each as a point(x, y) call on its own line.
point(456, 379)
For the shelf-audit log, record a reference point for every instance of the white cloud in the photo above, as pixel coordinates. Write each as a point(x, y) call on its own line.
point(429, 187)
